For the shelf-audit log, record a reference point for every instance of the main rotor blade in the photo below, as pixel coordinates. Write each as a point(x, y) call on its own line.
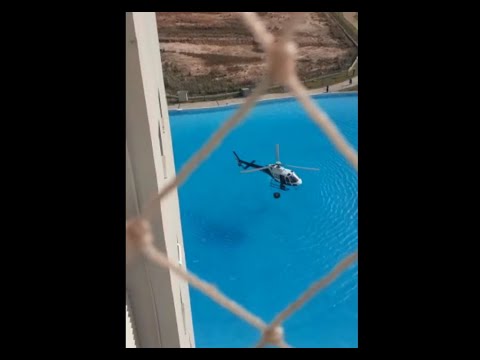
point(253, 170)
point(302, 167)
point(277, 153)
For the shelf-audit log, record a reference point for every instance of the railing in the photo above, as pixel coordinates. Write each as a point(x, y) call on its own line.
point(347, 27)
point(310, 83)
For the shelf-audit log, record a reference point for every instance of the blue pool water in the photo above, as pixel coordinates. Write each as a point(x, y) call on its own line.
point(261, 251)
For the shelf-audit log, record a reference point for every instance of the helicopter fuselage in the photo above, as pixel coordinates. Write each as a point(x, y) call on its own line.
point(278, 173)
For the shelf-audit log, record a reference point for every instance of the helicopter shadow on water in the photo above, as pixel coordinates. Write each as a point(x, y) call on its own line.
point(227, 224)
point(221, 232)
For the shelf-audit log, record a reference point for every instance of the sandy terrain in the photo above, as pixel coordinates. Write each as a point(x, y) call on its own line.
point(208, 53)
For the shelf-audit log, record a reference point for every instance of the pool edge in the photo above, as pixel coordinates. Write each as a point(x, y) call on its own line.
point(276, 99)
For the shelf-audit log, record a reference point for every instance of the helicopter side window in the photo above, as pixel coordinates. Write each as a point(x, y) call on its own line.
point(292, 177)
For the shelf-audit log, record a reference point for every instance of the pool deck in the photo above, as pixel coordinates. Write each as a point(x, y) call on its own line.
point(342, 86)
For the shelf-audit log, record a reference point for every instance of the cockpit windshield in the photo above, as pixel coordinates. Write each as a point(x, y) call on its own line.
point(292, 177)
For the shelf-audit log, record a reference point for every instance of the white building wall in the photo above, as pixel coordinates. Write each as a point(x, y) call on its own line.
point(159, 303)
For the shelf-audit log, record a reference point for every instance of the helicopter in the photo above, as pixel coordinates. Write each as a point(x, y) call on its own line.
point(279, 174)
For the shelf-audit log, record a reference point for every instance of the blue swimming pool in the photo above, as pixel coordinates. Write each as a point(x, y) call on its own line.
point(261, 251)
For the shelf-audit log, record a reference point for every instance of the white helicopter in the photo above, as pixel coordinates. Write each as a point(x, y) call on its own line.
point(279, 174)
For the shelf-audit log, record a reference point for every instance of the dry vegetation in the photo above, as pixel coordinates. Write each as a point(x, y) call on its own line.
point(213, 52)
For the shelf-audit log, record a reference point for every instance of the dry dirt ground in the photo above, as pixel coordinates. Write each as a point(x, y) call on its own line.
point(213, 52)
